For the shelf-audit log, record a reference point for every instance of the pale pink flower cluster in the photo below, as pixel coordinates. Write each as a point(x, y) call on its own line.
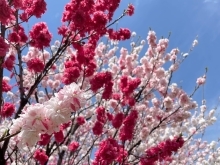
point(47, 117)
point(201, 80)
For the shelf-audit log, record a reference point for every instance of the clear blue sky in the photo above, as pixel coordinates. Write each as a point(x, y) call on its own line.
point(185, 19)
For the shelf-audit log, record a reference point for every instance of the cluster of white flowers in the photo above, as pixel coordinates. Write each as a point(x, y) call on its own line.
point(47, 117)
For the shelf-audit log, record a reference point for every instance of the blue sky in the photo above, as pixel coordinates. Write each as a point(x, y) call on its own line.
point(185, 20)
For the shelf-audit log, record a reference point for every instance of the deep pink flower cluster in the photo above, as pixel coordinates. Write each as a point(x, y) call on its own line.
point(122, 155)
point(116, 96)
point(90, 68)
point(100, 80)
point(122, 34)
point(101, 115)
point(59, 136)
point(101, 119)
point(17, 4)
point(87, 16)
point(40, 36)
point(5, 12)
point(127, 129)
point(40, 156)
point(5, 86)
point(13, 37)
point(78, 12)
point(109, 5)
point(85, 56)
point(65, 125)
point(32, 7)
point(9, 62)
point(130, 10)
point(98, 128)
point(109, 116)
point(44, 139)
point(80, 120)
point(83, 59)
point(3, 47)
point(118, 120)
point(73, 146)
point(107, 93)
point(127, 87)
point(108, 152)
point(62, 30)
point(162, 151)
point(7, 110)
point(35, 65)
point(18, 35)
point(71, 71)
point(99, 19)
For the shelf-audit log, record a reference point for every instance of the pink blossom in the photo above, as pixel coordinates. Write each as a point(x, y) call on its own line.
point(5, 13)
point(118, 120)
point(73, 146)
point(108, 90)
point(17, 4)
point(59, 136)
point(80, 120)
point(160, 73)
point(168, 102)
point(130, 10)
point(9, 62)
point(127, 130)
point(99, 19)
point(18, 35)
point(65, 125)
point(156, 102)
point(122, 34)
point(151, 38)
point(99, 80)
point(128, 86)
point(162, 151)
point(98, 128)
point(40, 156)
point(44, 139)
point(33, 7)
point(7, 110)
point(184, 99)
point(174, 67)
point(72, 71)
point(40, 36)
point(35, 65)
point(201, 80)
point(3, 47)
point(14, 37)
point(101, 114)
point(108, 151)
point(5, 86)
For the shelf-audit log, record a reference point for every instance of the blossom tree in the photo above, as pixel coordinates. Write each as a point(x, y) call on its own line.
point(81, 101)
